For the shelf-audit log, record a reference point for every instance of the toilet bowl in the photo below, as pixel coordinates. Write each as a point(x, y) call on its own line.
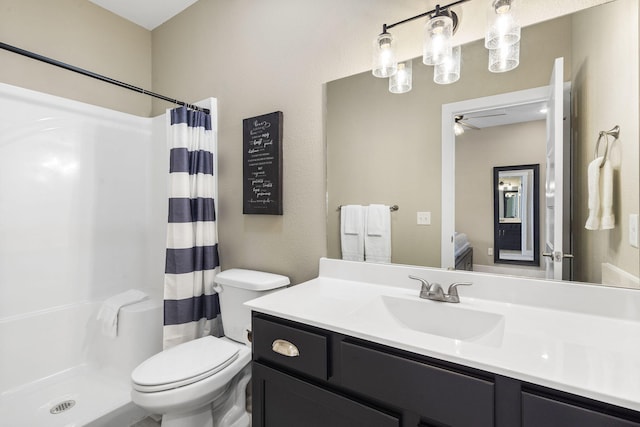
point(202, 383)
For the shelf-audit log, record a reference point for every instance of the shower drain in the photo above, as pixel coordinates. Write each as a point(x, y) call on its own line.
point(62, 407)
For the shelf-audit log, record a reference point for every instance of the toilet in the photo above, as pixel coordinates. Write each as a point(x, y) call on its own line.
point(203, 383)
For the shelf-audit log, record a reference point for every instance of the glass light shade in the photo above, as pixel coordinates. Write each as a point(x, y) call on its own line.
point(400, 82)
point(438, 32)
point(458, 129)
point(384, 56)
point(505, 58)
point(503, 26)
point(449, 70)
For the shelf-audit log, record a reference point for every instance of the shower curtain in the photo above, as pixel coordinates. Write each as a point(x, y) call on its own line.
point(191, 306)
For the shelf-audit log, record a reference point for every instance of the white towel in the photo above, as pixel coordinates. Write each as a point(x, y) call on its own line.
point(352, 232)
point(108, 314)
point(600, 201)
point(377, 240)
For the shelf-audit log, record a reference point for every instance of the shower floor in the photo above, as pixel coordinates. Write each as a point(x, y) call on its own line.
point(100, 400)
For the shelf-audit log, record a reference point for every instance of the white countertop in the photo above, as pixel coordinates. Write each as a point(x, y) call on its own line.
point(577, 338)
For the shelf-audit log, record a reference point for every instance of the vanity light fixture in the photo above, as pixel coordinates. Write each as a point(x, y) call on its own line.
point(504, 58)
point(448, 71)
point(438, 32)
point(503, 27)
point(502, 38)
point(384, 55)
point(401, 81)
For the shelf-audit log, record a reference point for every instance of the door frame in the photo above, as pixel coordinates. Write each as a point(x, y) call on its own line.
point(449, 112)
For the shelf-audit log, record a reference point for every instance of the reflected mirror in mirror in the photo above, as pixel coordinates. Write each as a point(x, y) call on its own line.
point(516, 231)
point(387, 148)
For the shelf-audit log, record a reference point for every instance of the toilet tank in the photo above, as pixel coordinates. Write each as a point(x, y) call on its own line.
point(235, 287)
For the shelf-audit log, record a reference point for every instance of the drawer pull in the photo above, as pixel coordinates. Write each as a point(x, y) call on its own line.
point(285, 348)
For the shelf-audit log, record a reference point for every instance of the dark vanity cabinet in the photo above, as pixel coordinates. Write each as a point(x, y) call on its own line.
point(305, 376)
point(509, 236)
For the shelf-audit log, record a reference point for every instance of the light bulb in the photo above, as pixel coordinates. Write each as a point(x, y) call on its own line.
point(438, 32)
point(448, 71)
point(384, 57)
point(401, 81)
point(503, 27)
point(504, 58)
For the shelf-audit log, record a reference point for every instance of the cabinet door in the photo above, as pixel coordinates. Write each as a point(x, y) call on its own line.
point(280, 400)
point(442, 396)
point(510, 236)
point(539, 411)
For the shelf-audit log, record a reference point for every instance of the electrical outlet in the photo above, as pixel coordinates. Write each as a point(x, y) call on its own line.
point(633, 230)
point(424, 218)
point(490, 251)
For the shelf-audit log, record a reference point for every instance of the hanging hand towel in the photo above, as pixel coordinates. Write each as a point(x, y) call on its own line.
point(607, 220)
point(108, 314)
point(600, 201)
point(352, 232)
point(377, 240)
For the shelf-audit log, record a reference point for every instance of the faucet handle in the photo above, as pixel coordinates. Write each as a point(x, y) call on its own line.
point(426, 287)
point(453, 288)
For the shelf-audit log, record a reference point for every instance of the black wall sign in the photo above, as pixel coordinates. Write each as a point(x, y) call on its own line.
point(262, 164)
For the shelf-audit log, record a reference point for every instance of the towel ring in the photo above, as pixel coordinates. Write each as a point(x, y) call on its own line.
point(615, 133)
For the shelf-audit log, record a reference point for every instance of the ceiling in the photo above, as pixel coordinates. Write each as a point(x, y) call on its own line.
point(146, 13)
point(506, 116)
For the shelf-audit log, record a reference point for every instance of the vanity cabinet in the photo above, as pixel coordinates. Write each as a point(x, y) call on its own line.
point(317, 377)
point(539, 410)
point(510, 236)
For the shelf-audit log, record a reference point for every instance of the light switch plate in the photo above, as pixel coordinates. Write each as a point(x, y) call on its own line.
point(490, 251)
point(424, 218)
point(633, 230)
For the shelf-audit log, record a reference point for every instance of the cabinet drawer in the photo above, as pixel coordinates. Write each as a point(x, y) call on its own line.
point(437, 394)
point(539, 411)
point(308, 350)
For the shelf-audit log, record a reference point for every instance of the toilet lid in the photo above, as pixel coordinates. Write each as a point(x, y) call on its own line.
point(184, 364)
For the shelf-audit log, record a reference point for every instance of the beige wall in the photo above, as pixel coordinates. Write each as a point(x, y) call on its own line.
point(260, 56)
point(510, 145)
point(609, 56)
point(255, 57)
point(386, 148)
point(82, 34)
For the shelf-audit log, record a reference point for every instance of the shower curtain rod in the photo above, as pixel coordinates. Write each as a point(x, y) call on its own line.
point(97, 76)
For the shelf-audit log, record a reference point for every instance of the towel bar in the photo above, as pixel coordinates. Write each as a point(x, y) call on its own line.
point(391, 208)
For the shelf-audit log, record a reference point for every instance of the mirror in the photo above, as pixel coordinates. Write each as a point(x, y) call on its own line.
point(386, 148)
point(516, 213)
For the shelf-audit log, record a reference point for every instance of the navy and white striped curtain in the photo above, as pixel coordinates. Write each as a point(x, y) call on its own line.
point(191, 306)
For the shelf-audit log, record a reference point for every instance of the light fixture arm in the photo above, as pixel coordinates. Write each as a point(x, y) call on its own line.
point(438, 10)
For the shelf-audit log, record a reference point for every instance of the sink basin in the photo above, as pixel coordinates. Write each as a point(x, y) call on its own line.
point(435, 318)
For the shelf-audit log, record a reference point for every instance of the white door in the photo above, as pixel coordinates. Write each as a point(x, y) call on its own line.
point(555, 182)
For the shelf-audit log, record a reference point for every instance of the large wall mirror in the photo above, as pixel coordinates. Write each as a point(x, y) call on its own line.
point(387, 148)
point(516, 213)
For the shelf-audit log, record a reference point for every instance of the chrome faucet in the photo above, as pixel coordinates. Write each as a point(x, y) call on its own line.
point(434, 291)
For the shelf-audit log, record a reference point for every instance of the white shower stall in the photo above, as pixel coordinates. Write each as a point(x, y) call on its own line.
point(83, 209)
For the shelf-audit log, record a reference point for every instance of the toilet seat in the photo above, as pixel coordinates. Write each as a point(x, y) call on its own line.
point(184, 364)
